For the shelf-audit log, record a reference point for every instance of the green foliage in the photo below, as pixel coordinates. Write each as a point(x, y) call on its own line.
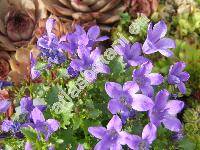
point(29, 133)
point(89, 108)
point(138, 26)
point(192, 125)
point(13, 144)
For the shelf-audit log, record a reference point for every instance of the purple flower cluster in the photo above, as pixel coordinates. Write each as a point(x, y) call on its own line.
point(132, 54)
point(34, 119)
point(85, 56)
point(80, 40)
point(81, 47)
point(50, 45)
point(139, 94)
point(177, 76)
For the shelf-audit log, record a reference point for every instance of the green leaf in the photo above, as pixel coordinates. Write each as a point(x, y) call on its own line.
point(29, 133)
point(186, 144)
point(52, 95)
point(117, 66)
point(40, 65)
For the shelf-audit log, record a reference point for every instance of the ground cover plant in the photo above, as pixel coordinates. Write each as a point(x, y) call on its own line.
point(99, 75)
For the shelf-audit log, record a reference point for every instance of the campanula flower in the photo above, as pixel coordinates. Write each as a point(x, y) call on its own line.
point(71, 72)
point(81, 39)
point(165, 111)
point(124, 99)
point(111, 137)
point(132, 54)
point(50, 46)
point(47, 127)
point(12, 127)
point(34, 73)
point(9, 125)
point(90, 64)
point(4, 84)
point(156, 41)
point(127, 114)
point(144, 142)
point(145, 79)
point(177, 76)
point(26, 106)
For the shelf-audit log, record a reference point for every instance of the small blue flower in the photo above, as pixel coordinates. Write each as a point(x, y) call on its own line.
point(4, 84)
point(50, 45)
point(71, 72)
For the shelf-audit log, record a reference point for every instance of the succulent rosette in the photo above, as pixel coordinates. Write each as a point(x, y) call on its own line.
point(18, 19)
point(103, 12)
point(146, 7)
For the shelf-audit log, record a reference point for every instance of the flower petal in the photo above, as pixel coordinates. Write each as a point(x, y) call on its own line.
point(102, 38)
point(173, 79)
point(148, 67)
point(141, 102)
point(37, 115)
point(161, 99)
point(145, 69)
point(136, 49)
point(103, 144)
point(137, 61)
point(115, 123)
point(79, 30)
point(184, 76)
point(147, 90)
point(156, 117)
point(148, 47)
point(97, 132)
point(155, 78)
point(132, 141)
point(165, 43)
point(28, 146)
point(53, 124)
point(119, 49)
point(174, 106)
point(149, 133)
point(77, 64)
point(100, 67)
point(90, 75)
point(172, 123)
point(131, 87)
point(114, 90)
point(166, 52)
point(26, 105)
point(114, 106)
point(95, 54)
point(116, 146)
point(4, 105)
point(93, 32)
point(177, 68)
point(181, 87)
point(159, 31)
point(80, 147)
point(6, 125)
